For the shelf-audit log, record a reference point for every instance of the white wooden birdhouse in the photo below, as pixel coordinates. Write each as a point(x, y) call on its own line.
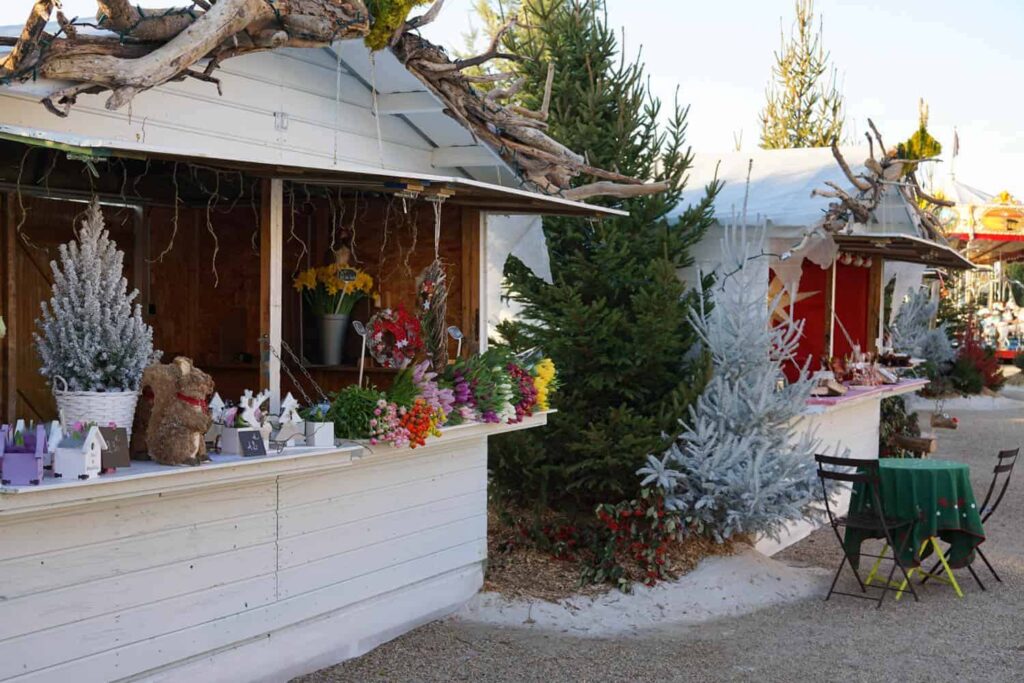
point(79, 457)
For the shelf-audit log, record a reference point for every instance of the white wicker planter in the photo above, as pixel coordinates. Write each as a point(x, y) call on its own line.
point(98, 407)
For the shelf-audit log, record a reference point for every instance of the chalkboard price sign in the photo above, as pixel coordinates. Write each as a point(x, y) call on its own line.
point(251, 442)
point(116, 454)
point(348, 274)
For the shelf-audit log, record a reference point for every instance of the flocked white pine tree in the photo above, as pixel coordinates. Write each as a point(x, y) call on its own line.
point(90, 332)
point(912, 331)
point(739, 468)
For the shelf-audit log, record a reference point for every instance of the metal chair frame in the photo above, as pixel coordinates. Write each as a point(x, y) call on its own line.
point(1005, 460)
point(864, 472)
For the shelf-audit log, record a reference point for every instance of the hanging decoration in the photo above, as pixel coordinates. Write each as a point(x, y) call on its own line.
point(395, 337)
point(432, 303)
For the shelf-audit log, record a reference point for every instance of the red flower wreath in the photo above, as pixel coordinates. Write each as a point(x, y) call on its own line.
point(394, 337)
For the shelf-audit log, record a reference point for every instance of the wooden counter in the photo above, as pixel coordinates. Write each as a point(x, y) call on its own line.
point(242, 569)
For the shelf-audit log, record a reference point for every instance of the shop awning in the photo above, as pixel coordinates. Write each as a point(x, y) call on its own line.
point(461, 191)
point(907, 248)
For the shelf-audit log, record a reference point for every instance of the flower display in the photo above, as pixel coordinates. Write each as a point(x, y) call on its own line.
point(394, 338)
point(523, 383)
point(420, 422)
point(440, 399)
point(333, 289)
point(386, 425)
point(544, 381)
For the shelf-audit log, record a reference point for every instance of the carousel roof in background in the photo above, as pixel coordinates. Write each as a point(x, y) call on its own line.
point(987, 228)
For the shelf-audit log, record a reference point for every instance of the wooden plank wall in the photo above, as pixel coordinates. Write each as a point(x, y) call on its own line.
point(106, 590)
point(215, 320)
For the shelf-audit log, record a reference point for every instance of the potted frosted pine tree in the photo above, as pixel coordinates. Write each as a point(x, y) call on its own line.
point(91, 339)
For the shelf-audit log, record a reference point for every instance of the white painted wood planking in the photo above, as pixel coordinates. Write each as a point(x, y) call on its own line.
point(345, 537)
point(82, 565)
point(110, 631)
point(261, 623)
point(384, 536)
point(117, 593)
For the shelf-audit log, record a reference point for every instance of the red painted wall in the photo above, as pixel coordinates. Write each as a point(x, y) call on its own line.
point(852, 284)
point(851, 305)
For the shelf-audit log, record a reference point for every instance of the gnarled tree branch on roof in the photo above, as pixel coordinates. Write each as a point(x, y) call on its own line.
point(150, 47)
point(858, 205)
point(179, 38)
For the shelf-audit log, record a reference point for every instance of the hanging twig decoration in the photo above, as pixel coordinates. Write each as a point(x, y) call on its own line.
point(432, 300)
point(146, 48)
point(858, 205)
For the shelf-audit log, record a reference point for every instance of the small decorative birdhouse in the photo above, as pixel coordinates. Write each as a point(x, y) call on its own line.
point(79, 457)
point(21, 456)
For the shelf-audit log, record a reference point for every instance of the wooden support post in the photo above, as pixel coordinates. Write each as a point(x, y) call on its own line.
point(271, 259)
point(830, 310)
point(8, 278)
point(472, 283)
point(876, 305)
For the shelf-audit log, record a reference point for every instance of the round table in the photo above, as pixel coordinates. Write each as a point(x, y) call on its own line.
point(936, 495)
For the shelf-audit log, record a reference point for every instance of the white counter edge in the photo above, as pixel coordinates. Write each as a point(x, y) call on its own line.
point(894, 390)
point(20, 499)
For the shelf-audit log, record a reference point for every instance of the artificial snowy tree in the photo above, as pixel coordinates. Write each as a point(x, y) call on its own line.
point(739, 467)
point(90, 333)
point(913, 331)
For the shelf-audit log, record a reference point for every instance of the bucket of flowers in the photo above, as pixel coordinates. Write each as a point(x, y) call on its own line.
point(331, 292)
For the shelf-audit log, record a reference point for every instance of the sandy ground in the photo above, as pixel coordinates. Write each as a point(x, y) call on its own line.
point(942, 638)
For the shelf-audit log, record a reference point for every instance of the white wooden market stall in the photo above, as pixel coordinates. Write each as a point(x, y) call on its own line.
point(252, 569)
point(838, 282)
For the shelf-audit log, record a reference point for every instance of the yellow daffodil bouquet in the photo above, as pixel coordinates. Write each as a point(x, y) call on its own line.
point(333, 289)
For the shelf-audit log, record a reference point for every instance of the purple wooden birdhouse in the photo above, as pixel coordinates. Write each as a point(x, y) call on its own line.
point(22, 463)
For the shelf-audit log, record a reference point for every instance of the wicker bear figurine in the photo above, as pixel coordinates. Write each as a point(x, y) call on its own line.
point(179, 417)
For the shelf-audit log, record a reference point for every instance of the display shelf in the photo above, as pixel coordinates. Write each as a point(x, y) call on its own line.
point(820, 404)
point(146, 477)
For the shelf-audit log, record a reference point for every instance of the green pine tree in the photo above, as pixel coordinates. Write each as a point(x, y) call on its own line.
point(920, 145)
point(615, 319)
point(804, 107)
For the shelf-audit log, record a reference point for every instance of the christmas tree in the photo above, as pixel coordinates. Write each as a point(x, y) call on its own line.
point(913, 330)
point(804, 107)
point(90, 333)
point(614, 320)
point(739, 468)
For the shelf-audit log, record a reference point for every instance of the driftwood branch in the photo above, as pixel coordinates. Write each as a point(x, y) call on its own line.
point(859, 183)
point(878, 136)
point(604, 188)
point(417, 22)
point(148, 47)
point(29, 40)
point(492, 50)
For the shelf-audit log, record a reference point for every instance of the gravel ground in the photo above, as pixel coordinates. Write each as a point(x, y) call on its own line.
point(939, 639)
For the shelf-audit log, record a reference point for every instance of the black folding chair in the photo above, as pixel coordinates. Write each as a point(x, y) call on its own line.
point(865, 473)
point(1004, 466)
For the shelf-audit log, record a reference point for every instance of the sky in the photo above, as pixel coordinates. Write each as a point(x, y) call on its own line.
point(961, 57)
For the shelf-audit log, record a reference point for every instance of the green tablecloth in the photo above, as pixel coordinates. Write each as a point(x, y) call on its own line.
point(936, 495)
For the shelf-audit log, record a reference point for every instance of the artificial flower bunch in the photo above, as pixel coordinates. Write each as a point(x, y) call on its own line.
point(395, 337)
point(334, 289)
